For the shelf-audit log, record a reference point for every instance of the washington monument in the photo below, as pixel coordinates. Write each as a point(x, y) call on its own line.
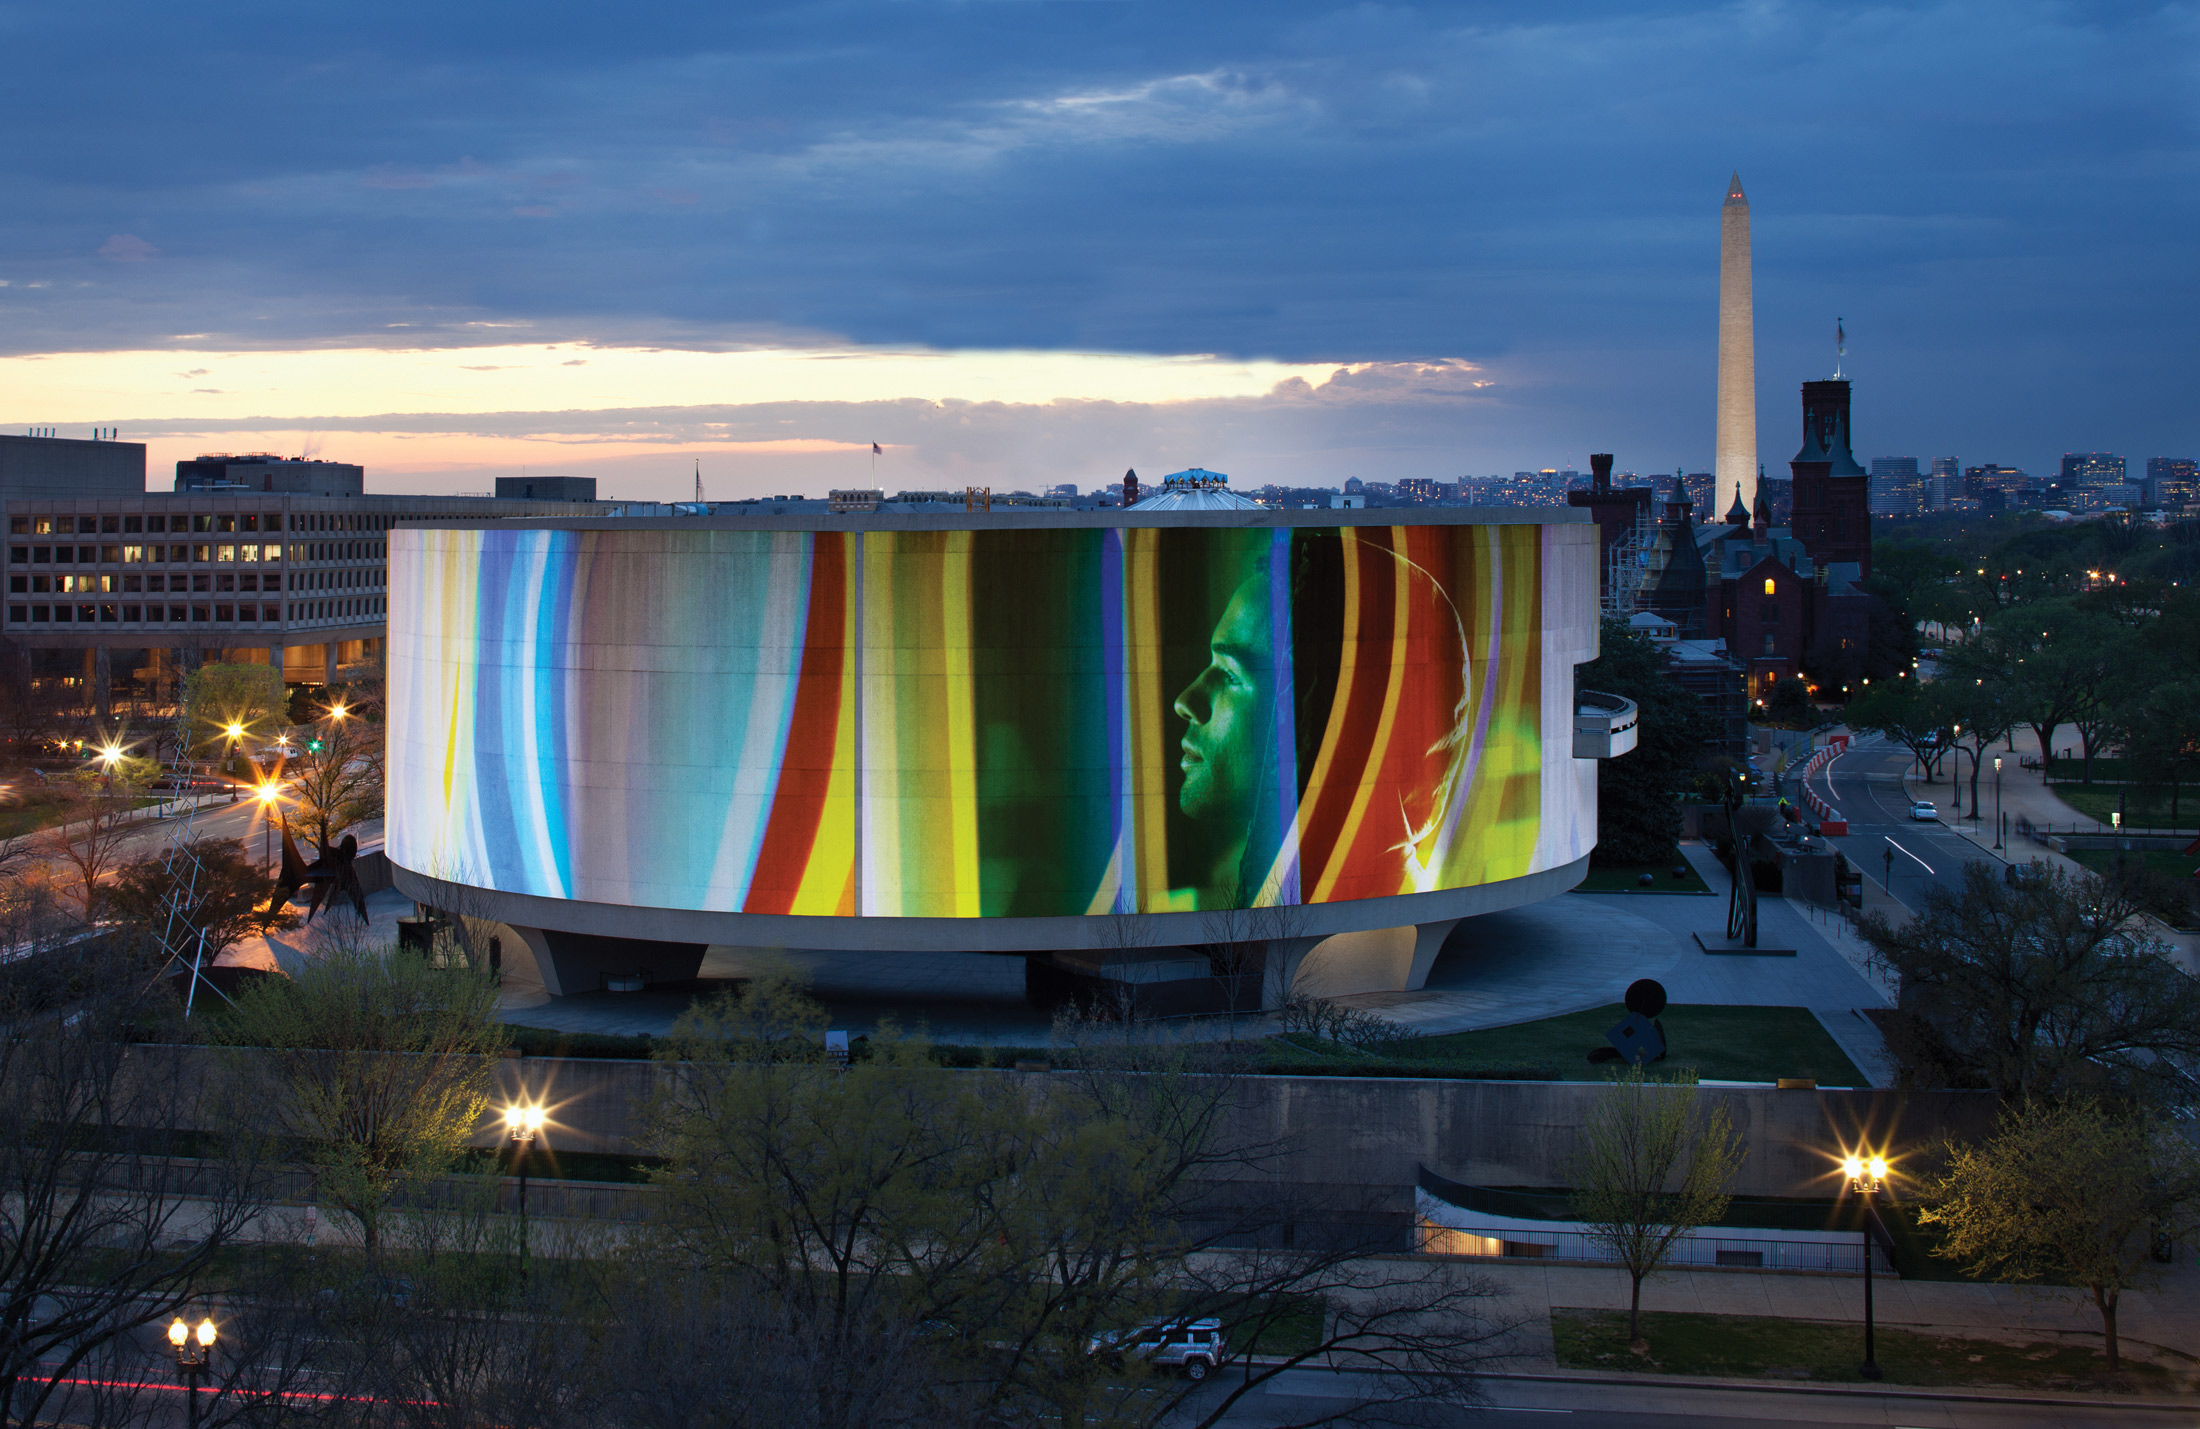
point(1737, 437)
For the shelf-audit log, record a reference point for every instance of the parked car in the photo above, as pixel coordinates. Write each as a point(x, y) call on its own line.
point(1195, 1347)
point(1925, 811)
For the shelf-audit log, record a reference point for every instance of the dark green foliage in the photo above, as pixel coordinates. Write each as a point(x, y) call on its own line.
point(1638, 810)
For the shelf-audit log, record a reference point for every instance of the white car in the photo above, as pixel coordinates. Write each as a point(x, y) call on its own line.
point(1924, 812)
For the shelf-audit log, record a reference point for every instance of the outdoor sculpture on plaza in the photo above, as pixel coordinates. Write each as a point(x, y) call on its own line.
point(329, 875)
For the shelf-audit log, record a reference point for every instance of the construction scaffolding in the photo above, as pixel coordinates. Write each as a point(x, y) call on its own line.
point(1627, 564)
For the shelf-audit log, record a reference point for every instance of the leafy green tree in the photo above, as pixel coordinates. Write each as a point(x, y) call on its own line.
point(1016, 1223)
point(2039, 988)
point(2073, 1192)
point(2161, 724)
point(1651, 1166)
point(1638, 794)
point(375, 1063)
point(222, 697)
point(1915, 714)
point(224, 901)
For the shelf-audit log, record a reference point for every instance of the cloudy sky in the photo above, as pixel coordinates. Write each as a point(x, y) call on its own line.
point(1033, 242)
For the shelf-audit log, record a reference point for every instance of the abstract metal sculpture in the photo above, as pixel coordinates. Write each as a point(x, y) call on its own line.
point(329, 875)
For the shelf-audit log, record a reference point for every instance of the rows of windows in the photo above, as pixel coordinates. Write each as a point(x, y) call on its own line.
point(91, 612)
point(196, 553)
point(132, 583)
point(178, 522)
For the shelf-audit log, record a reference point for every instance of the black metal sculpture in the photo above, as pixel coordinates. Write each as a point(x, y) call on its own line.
point(1744, 822)
point(326, 877)
point(1638, 1037)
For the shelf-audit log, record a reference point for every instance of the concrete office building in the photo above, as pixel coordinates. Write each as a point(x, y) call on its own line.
point(1736, 449)
point(270, 474)
point(2083, 469)
point(546, 488)
point(1014, 732)
point(68, 466)
point(138, 582)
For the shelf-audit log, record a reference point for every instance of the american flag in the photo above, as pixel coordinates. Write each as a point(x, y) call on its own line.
point(874, 449)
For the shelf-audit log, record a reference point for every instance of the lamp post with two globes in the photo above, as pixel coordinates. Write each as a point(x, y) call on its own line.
point(194, 1352)
point(1867, 1176)
point(523, 1120)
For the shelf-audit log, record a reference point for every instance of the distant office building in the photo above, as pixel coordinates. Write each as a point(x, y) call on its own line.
point(1896, 487)
point(546, 488)
point(1422, 489)
point(2172, 481)
point(2082, 469)
point(221, 472)
point(1995, 487)
point(1352, 486)
point(1942, 491)
point(1066, 490)
point(2114, 496)
point(1946, 466)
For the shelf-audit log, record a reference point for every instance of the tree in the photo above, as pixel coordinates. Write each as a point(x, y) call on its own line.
point(2038, 988)
point(1912, 713)
point(378, 1064)
point(116, 1207)
point(223, 901)
point(2071, 1191)
point(1014, 1226)
point(1638, 794)
point(336, 780)
point(2161, 724)
point(1979, 718)
point(222, 697)
point(90, 834)
point(1651, 1168)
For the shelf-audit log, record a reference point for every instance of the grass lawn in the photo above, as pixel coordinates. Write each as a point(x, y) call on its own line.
point(2141, 811)
point(1735, 1044)
point(1627, 878)
point(30, 818)
point(2160, 860)
point(1753, 1346)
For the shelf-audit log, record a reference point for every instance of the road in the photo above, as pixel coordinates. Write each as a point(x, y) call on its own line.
point(1298, 1395)
point(1865, 784)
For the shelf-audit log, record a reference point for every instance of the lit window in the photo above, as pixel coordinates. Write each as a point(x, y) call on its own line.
point(1769, 587)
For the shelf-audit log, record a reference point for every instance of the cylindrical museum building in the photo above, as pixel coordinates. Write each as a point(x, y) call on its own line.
point(1074, 736)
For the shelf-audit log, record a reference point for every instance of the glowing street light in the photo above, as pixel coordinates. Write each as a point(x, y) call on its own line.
point(1867, 1176)
point(194, 1350)
point(523, 1121)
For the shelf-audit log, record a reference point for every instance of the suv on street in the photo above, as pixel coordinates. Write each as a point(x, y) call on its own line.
point(1196, 1347)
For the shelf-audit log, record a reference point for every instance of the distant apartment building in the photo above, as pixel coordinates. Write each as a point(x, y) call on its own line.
point(221, 472)
point(546, 488)
point(1421, 489)
point(2172, 482)
point(1897, 488)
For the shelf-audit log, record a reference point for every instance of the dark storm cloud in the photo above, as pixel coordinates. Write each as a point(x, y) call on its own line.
point(1998, 197)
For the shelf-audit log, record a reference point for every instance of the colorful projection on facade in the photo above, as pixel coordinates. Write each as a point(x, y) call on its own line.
point(1022, 722)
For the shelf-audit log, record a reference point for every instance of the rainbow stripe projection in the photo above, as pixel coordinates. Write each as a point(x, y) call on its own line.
point(1029, 722)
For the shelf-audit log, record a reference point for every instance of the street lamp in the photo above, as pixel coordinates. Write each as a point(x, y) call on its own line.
point(268, 793)
point(193, 1352)
point(524, 1123)
point(1997, 801)
point(1867, 1176)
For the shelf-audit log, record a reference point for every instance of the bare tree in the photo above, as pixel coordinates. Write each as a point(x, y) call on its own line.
point(1651, 1167)
point(88, 840)
point(117, 1202)
point(336, 780)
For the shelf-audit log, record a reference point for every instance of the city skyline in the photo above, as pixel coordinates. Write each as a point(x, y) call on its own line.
point(1211, 239)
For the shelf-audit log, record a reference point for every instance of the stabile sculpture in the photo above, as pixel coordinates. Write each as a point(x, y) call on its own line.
point(331, 874)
